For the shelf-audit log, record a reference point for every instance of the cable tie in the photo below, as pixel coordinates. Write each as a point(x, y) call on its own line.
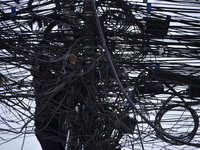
point(13, 10)
point(148, 7)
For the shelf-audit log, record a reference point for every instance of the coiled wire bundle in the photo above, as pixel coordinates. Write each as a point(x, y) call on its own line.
point(101, 116)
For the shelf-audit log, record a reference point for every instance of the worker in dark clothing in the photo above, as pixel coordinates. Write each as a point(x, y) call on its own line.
point(50, 115)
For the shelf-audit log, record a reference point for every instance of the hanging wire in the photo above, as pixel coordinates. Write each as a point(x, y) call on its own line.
point(151, 47)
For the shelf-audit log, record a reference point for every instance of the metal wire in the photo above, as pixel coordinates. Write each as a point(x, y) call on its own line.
point(154, 48)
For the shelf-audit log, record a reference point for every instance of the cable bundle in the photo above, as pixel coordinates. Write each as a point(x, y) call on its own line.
point(119, 90)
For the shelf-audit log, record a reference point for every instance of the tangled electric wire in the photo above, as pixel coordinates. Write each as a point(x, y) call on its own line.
point(152, 48)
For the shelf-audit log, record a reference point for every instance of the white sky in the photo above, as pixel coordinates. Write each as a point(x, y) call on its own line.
point(30, 143)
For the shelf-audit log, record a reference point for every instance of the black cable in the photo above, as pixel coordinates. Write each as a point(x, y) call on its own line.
point(186, 138)
point(120, 84)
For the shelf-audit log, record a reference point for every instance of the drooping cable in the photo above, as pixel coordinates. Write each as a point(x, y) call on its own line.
point(120, 84)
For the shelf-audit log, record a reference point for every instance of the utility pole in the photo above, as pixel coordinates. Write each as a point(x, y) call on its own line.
point(89, 38)
point(89, 67)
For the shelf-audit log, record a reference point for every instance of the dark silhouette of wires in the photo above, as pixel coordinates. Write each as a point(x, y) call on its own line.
point(153, 49)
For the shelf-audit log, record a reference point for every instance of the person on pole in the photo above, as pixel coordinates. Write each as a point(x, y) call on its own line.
point(50, 114)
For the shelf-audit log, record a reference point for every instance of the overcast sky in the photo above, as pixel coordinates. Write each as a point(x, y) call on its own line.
point(30, 143)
